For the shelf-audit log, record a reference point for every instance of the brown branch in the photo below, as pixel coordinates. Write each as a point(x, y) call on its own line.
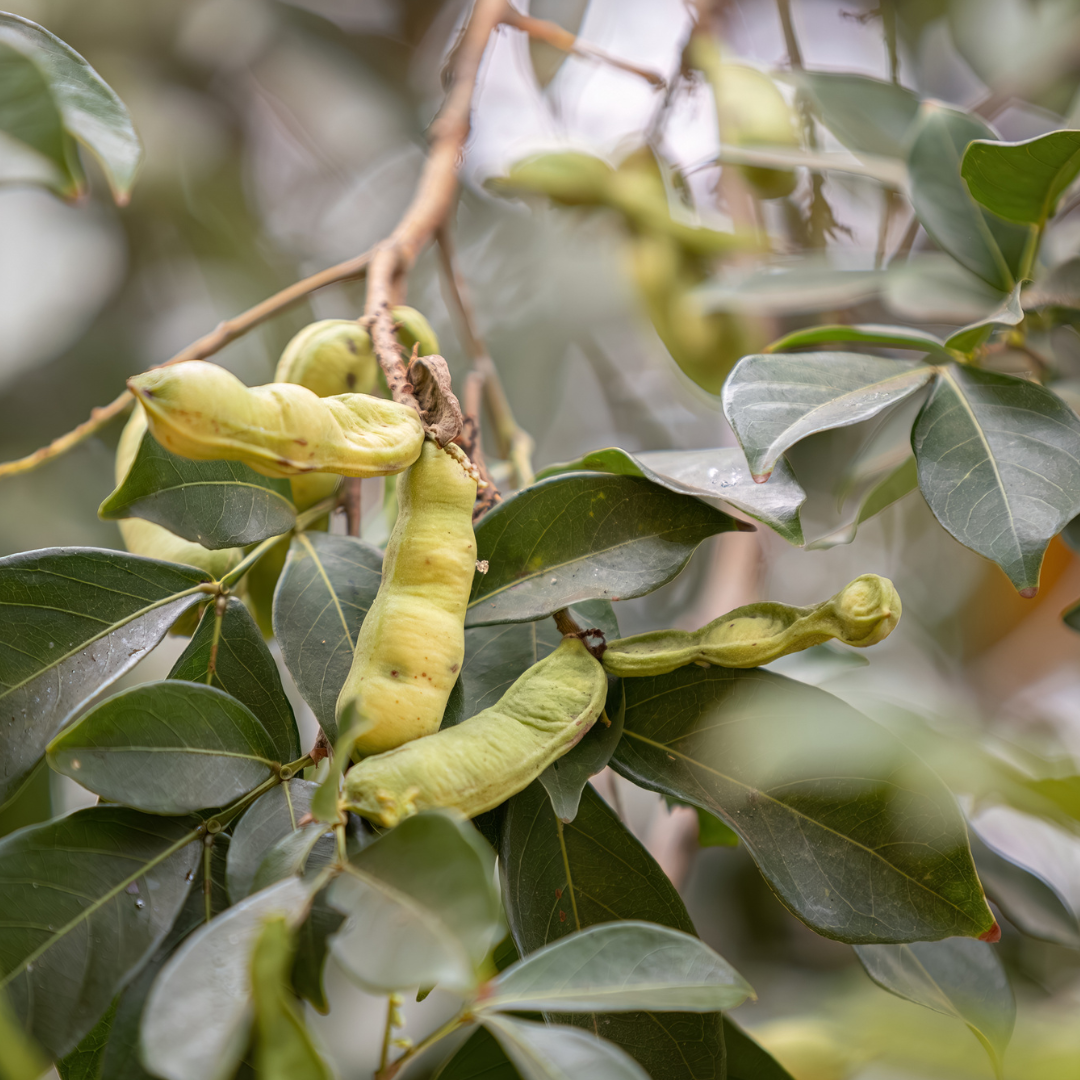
point(224, 333)
point(553, 34)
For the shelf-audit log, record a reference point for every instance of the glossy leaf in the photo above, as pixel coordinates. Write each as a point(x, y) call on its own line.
point(617, 967)
point(219, 504)
point(774, 401)
point(91, 111)
point(997, 460)
point(887, 337)
point(421, 904)
point(228, 651)
point(206, 988)
point(714, 476)
point(86, 899)
point(168, 748)
point(1025, 899)
point(958, 977)
point(854, 833)
point(72, 620)
point(748, 1061)
point(324, 592)
point(561, 878)
point(1008, 313)
point(294, 854)
point(988, 246)
point(1023, 181)
point(584, 536)
point(84, 1062)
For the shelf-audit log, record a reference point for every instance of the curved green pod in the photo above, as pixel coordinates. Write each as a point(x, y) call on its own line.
point(479, 763)
point(861, 614)
point(412, 643)
point(203, 412)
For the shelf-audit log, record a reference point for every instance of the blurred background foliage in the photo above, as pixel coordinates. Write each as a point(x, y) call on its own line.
point(283, 136)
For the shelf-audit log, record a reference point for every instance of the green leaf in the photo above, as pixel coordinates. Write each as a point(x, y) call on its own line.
point(84, 1062)
point(91, 111)
point(1025, 899)
point(206, 989)
point(960, 978)
point(712, 832)
point(561, 878)
point(86, 900)
point(714, 476)
point(772, 402)
point(1022, 181)
point(421, 904)
point(887, 337)
point(1008, 313)
point(556, 1052)
point(619, 967)
point(219, 504)
point(997, 460)
point(30, 118)
point(479, 1058)
point(988, 246)
point(933, 287)
point(892, 487)
point(584, 536)
point(72, 620)
point(324, 592)
point(228, 651)
point(294, 853)
point(168, 748)
point(866, 115)
point(284, 1049)
point(808, 286)
point(20, 1057)
point(746, 1060)
point(856, 836)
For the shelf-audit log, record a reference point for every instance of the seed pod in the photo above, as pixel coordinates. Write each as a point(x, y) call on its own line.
point(479, 763)
point(330, 357)
point(144, 537)
point(203, 412)
point(412, 642)
point(861, 614)
point(414, 329)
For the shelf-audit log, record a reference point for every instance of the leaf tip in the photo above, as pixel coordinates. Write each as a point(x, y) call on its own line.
point(991, 936)
point(760, 478)
point(1030, 592)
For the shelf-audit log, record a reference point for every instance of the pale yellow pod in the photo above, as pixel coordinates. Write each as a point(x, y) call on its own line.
point(203, 412)
point(330, 357)
point(412, 642)
point(861, 614)
point(144, 537)
point(479, 763)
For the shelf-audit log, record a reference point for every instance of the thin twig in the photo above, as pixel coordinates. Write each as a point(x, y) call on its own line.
point(224, 333)
point(552, 34)
point(351, 503)
point(791, 41)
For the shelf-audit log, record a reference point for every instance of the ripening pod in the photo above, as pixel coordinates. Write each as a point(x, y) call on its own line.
point(570, 178)
point(414, 329)
point(330, 357)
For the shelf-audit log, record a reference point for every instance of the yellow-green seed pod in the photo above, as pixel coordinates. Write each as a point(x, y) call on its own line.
point(330, 357)
point(569, 178)
point(414, 329)
point(412, 642)
point(144, 537)
point(479, 763)
point(203, 412)
point(861, 614)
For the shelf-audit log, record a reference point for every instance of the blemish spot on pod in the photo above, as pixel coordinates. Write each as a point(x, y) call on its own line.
point(203, 412)
point(479, 763)
point(156, 542)
point(861, 614)
point(330, 357)
point(412, 643)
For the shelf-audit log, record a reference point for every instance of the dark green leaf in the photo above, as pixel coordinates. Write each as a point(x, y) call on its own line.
point(228, 651)
point(86, 900)
point(584, 536)
point(772, 402)
point(324, 592)
point(561, 878)
point(987, 245)
point(866, 115)
point(1008, 313)
point(1023, 181)
point(998, 461)
point(312, 949)
point(205, 988)
point(219, 504)
point(748, 1061)
point(421, 904)
point(91, 111)
point(619, 966)
point(479, 1058)
point(887, 337)
point(556, 1052)
point(714, 476)
point(712, 832)
point(853, 832)
point(1025, 899)
point(958, 977)
point(84, 1062)
point(72, 620)
point(168, 748)
point(294, 854)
